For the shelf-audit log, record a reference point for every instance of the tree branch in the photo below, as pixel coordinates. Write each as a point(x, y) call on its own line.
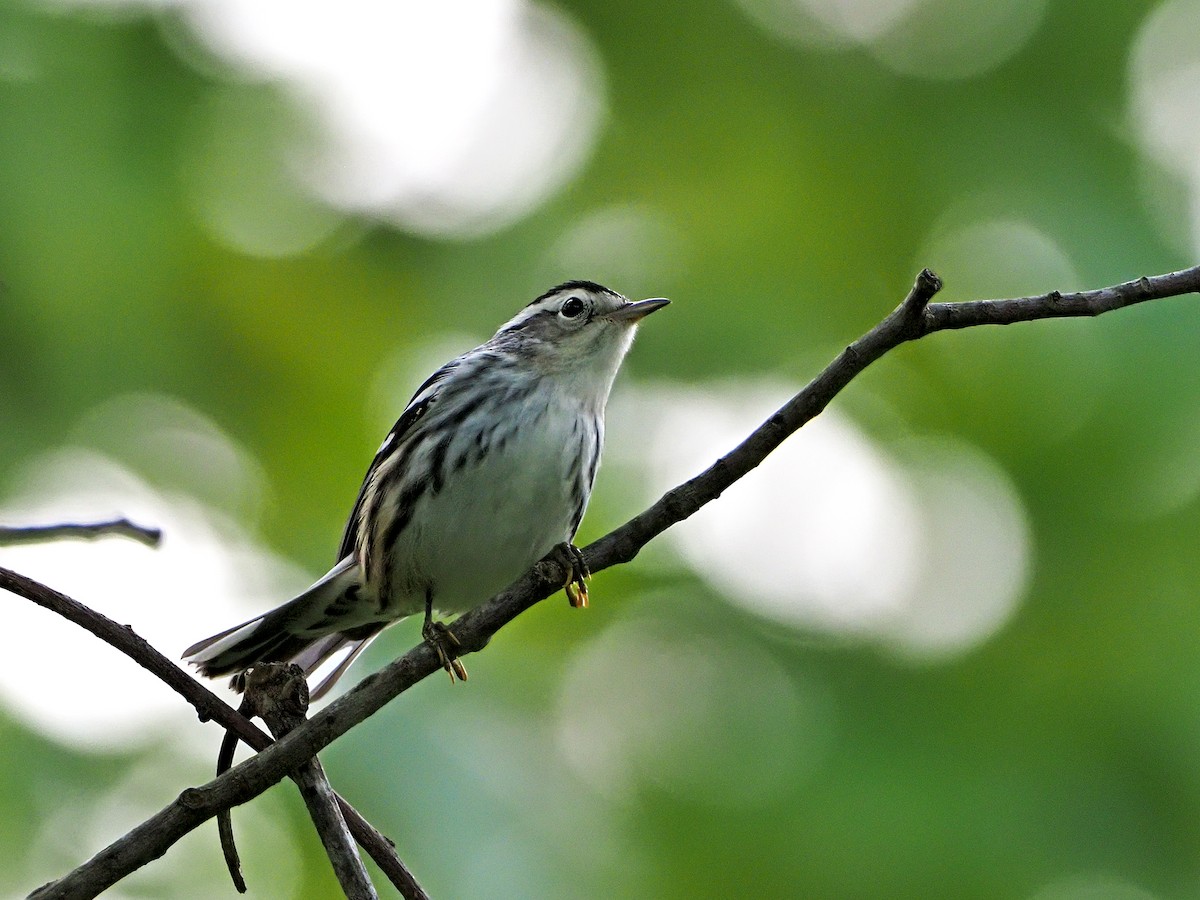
point(208, 706)
point(913, 319)
point(1055, 305)
point(34, 534)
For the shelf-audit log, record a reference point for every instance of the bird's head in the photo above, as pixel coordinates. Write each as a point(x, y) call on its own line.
point(576, 322)
point(579, 328)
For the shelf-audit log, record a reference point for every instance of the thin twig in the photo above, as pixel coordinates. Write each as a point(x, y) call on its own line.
point(913, 319)
point(36, 534)
point(278, 694)
point(209, 707)
point(233, 862)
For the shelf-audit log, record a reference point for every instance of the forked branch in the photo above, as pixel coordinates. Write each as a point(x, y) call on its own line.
point(209, 707)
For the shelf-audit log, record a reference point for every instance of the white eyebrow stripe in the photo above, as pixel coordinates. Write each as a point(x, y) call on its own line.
point(533, 311)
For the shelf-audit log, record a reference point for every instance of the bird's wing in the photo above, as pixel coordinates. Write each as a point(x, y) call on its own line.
point(426, 395)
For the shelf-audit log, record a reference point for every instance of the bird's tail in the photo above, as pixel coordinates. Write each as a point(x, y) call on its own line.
point(307, 631)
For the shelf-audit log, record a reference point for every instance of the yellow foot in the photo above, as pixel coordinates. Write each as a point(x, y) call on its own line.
point(575, 585)
point(445, 644)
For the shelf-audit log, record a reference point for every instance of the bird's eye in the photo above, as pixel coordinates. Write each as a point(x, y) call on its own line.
point(573, 307)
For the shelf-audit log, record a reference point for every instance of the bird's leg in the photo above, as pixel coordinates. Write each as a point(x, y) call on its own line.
point(570, 558)
point(442, 640)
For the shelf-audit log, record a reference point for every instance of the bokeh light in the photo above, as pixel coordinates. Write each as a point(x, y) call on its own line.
point(401, 129)
point(677, 735)
point(405, 131)
point(1093, 887)
point(1008, 257)
point(628, 247)
point(926, 552)
point(1164, 80)
point(935, 39)
point(243, 180)
point(206, 574)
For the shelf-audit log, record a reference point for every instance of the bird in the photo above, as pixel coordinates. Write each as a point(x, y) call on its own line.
point(487, 471)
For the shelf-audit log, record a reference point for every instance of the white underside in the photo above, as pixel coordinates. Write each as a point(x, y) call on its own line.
point(493, 520)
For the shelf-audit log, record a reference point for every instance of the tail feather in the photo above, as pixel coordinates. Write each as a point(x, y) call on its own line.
point(298, 631)
point(356, 646)
point(255, 641)
point(312, 656)
point(218, 641)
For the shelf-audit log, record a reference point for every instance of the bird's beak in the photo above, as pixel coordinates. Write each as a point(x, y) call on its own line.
point(635, 312)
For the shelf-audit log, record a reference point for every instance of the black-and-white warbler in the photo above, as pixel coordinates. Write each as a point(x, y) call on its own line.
point(487, 471)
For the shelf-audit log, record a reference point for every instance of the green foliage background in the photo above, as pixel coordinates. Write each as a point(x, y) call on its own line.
point(1060, 757)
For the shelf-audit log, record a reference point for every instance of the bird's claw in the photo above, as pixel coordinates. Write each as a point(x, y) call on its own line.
point(439, 636)
point(571, 559)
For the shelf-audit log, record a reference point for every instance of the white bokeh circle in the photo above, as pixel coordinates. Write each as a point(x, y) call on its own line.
point(925, 551)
